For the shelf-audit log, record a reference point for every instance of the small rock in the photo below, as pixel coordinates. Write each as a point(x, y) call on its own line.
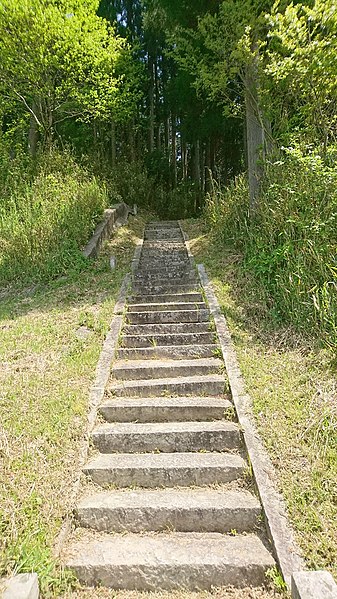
point(83, 333)
point(112, 262)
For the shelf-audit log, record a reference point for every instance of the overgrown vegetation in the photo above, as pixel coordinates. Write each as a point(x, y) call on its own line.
point(289, 244)
point(46, 215)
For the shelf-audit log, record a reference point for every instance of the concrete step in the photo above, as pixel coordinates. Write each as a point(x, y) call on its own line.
point(168, 351)
point(154, 269)
point(154, 369)
point(169, 297)
point(163, 316)
point(210, 385)
point(191, 561)
point(163, 235)
point(154, 340)
point(181, 510)
point(172, 261)
point(166, 306)
point(164, 409)
point(163, 277)
point(165, 287)
point(151, 470)
point(167, 437)
point(167, 329)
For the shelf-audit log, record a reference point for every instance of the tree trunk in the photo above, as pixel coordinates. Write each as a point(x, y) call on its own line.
point(113, 144)
point(33, 134)
point(255, 134)
point(196, 162)
point(151, 105)
point(174, 150)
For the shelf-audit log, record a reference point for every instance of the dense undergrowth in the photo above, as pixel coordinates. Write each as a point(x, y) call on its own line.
point(289, 245)
point(48, 210)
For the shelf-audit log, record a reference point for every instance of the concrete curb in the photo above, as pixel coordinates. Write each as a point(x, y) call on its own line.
point(112, 219)
point(313, 585)
point(95, 398)
point(22, 586)
point(282, 537)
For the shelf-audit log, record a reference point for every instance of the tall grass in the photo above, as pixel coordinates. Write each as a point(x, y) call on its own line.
point(290, 244)
point(47, 212)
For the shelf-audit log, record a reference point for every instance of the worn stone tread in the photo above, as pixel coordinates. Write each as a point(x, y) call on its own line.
point(212, 384)
point(150, 470)
point(169, 351)
point(164, 409)
point(162, 339)
point(184, 510)
point(167, 328)
point(166, 436)
point(166, 306)
point(169, 297)
point(170, 561)
point(155, 369)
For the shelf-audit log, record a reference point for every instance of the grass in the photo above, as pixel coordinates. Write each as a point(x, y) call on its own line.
point(50, 339)
point(292, 381)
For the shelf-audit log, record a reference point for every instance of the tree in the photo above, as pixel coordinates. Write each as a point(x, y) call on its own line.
point(59, 60)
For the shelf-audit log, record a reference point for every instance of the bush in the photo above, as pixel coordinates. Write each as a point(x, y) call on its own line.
point(290, 244)
point(47, 217)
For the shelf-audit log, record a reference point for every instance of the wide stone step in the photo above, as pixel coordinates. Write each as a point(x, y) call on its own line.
point(163, 316)
point(167, 328)
point(154, 369)
point(166, 306)
point(155, 339)
point(167, 437)
point(165, 287)
point(169, 297)
point(169, 351)
point(150, 262)
point(210, 385)
point(164, 276)
point(191, 561)
point(181, 510)
point(165, 409)
point(151, 470)
point(163, 235)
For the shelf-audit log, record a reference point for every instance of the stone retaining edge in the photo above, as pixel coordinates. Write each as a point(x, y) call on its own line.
point(304, 584)
point(112, 219)
point(281, 534)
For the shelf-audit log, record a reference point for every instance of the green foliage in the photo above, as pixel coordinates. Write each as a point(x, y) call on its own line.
point(45, 219)
point(59, 59)
point(300, 66)
point(290, 244)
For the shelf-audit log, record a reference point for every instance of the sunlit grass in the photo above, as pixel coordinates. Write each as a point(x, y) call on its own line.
point(47, 367)
point(292, 381)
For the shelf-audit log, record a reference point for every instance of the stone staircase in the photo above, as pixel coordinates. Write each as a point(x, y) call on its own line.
point(170, 502)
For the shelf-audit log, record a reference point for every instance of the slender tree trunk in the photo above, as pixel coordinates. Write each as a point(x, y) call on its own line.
point(33, 134)
point(208, 165)
point(174, 150)
point(184, 158)
point(113, 144)
point(151, 105)
point(255, 135)
point(131, 139)
point(196, 160)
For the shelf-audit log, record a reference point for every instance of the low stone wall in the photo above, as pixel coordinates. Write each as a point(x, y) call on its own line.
point(113, 218)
